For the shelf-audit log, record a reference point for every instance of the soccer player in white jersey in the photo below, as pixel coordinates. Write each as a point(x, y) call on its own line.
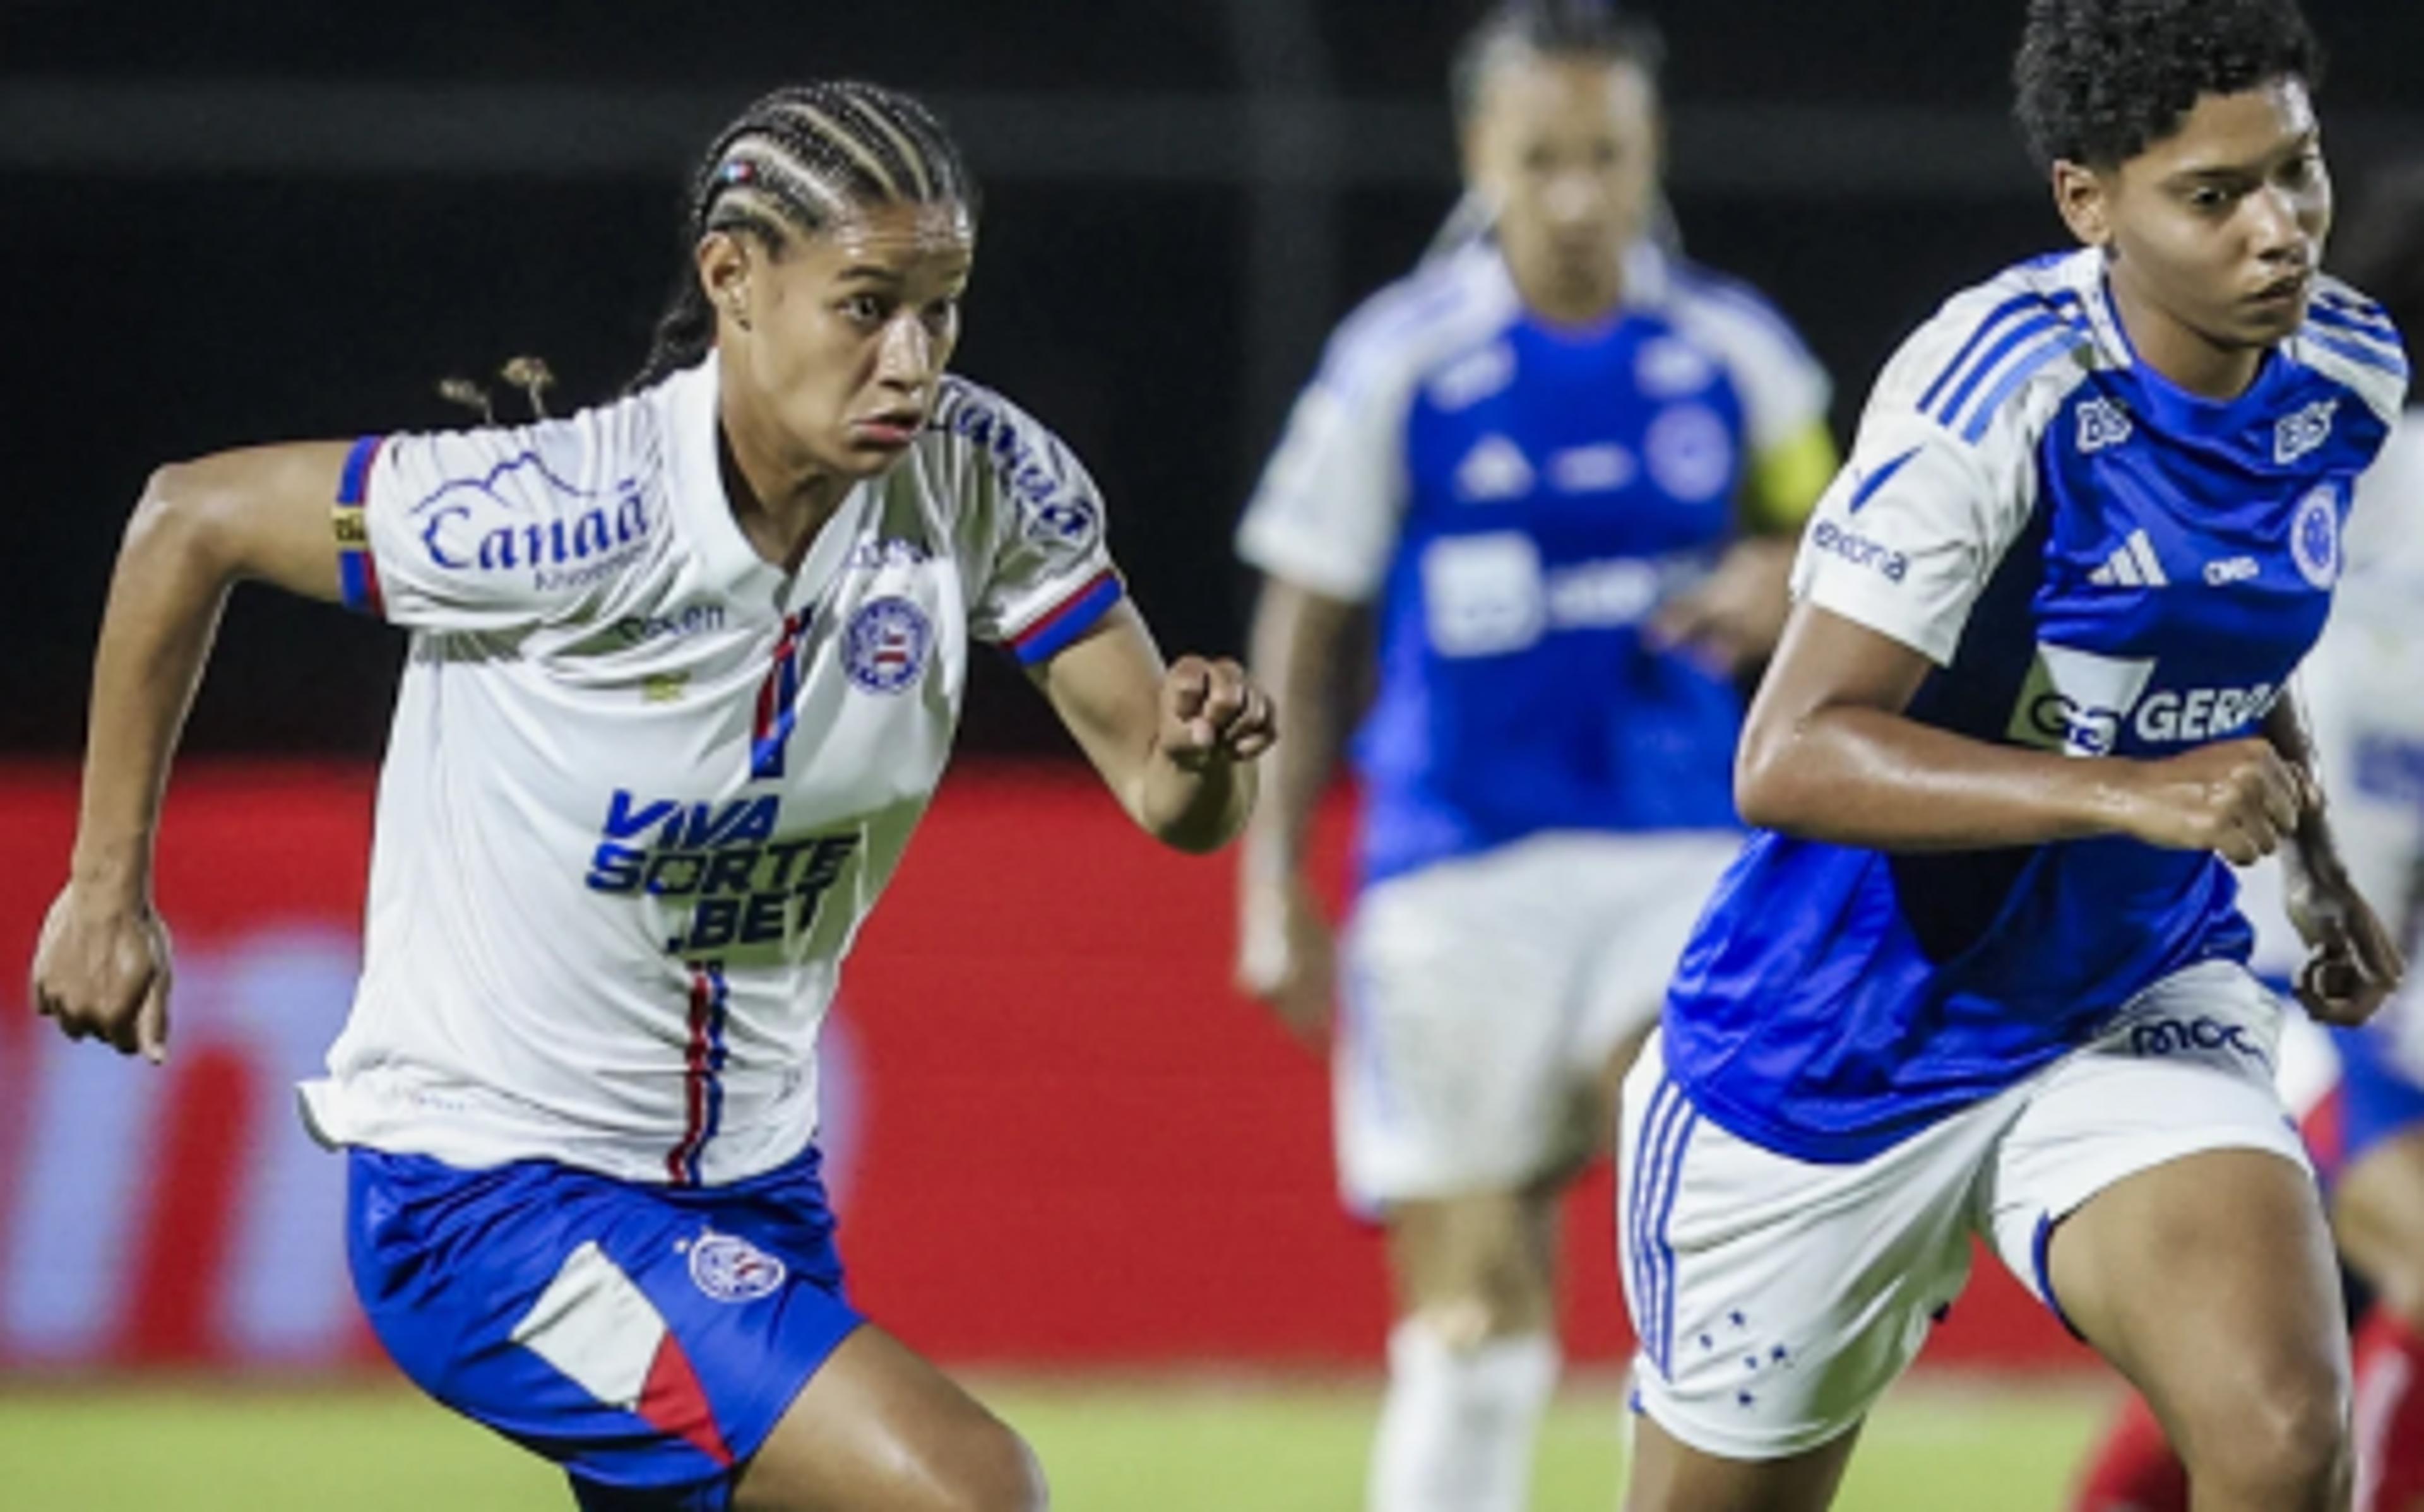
point(684, 672)
point(2364, 689)
point(1562, 467)
point(1980, 970)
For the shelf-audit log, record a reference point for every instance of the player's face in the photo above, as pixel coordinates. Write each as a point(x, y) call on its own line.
point(2219, 226)
point(849, 331)
point(1566, 150)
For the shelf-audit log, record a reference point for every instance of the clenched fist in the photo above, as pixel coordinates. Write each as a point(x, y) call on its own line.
point(1211, 711)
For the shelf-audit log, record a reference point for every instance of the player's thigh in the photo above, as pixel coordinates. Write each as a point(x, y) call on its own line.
point(1479, 1265)
point(1775, 1298)
point(878, 1427)
point(1452, 1064)
point(2156, 1196)
point(1665, 1475)
point(2209, 1280)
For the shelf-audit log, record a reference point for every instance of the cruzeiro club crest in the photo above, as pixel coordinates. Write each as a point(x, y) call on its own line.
point(886, 644)
point(2314, 537)
point(731, 1269)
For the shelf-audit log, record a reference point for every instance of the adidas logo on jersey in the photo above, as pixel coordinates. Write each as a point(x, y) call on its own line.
point(1494, 469)
point(2304, 432)
point(2134, 564)
point(1469, 379)
point(2103, 425)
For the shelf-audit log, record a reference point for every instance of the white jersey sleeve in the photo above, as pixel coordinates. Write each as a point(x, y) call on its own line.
point(1785, 389)
point(499, 528)
point(1325, 515)
point(1042, 573)
point(1326, 511)
point(1942, 478)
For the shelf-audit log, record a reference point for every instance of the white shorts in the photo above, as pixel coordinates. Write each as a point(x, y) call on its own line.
point(1777, 1298)
point(1483, 997)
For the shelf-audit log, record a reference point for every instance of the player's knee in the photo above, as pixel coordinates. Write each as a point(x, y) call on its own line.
point(1489, 1304)
point(990, 1469)
point(2283, 1442)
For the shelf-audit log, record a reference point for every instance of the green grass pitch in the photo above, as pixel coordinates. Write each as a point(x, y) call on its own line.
point(1187, 1444)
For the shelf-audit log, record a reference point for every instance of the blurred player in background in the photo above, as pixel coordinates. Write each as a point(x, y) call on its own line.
point(1982, 970)
point(2364, 692)
point(1561, 467)
point(684, 673)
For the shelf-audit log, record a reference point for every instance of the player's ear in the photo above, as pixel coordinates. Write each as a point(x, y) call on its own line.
point(724, 272)
point(2085, 200)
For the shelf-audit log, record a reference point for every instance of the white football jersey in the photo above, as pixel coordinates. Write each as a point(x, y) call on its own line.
point(643, 786)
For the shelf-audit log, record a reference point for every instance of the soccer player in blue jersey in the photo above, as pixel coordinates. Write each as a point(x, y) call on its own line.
point(2364, 687)
point(1561, 466)
point(1981, 970)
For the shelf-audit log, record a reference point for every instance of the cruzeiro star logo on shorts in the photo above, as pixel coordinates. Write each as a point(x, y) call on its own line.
point(731, 1269)
point(886, 645)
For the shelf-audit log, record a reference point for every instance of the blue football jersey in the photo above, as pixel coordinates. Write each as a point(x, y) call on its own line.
point(2099, 563)
point(1516, 500)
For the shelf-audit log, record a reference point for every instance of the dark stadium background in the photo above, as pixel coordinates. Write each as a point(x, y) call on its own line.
point(228, 223)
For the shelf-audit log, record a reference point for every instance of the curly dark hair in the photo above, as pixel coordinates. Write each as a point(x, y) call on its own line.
point(2100, 81)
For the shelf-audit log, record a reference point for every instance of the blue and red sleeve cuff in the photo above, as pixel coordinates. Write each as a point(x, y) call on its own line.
point(357, 569)
point(1058, 626)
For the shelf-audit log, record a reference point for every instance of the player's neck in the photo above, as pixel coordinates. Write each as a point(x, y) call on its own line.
point(1568, 303)
point(2179, 352)
point(780, 502)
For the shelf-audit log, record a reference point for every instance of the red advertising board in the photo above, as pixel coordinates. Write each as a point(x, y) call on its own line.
point(1056, 1134)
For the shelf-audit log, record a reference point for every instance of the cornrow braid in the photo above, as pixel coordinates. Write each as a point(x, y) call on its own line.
point(798, 160)
point(1549, 28)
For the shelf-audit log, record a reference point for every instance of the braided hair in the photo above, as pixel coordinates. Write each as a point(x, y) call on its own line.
point(799, 160)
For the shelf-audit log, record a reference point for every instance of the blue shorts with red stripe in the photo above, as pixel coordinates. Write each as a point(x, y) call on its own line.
point(646, 1339)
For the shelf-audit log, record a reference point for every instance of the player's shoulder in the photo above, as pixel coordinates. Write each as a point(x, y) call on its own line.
point(1728, 312)
point(981, 450)
point(2012, 345)
point(1408, 329)
point(2351, 339)
point(546, 464)
point(565, 498)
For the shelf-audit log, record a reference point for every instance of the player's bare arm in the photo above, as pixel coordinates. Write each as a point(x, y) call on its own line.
point(2353, 963)
point(1828, 754)
point(1284, 945)
point(102, 967)
point(1176, 745)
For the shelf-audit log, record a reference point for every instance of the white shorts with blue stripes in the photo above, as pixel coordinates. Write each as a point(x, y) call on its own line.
point(1484, 996)
point(1777, 1298)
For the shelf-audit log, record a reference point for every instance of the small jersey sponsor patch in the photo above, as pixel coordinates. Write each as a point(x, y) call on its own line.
point(886, 644)
point(2304, 432)
point(731, 1269)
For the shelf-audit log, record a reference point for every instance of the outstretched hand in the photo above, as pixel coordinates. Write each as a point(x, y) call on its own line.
point(1211, 711)
point(101, 969)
